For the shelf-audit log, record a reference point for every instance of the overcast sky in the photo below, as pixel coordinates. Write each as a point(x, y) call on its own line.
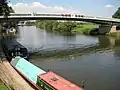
point(105, 8)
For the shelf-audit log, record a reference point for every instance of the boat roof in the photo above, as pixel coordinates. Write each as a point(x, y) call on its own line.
point(29, 70)
point(58, 82)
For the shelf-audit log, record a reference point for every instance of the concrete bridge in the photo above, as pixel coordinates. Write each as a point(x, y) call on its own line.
point(107, 25)
point(73, 17)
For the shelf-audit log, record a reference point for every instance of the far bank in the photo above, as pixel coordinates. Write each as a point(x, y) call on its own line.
point(64, 27)
point(77, 27)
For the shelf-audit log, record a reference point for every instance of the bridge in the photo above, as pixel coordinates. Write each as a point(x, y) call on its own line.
point(72, 17)
point(106, 24)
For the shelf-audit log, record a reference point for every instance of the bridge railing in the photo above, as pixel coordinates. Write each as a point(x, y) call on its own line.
point(61, 16)
point(108, 19)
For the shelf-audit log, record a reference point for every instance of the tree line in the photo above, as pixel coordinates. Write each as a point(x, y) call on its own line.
point(53, 25)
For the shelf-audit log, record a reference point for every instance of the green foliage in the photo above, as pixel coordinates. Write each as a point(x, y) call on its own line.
point(117, 14)
point(52, 25)
point(5, 9)
point(84, 28)
point(11, 10)
point(55, 26)
point(2, 86)
point(64, 27)
point(30, 23)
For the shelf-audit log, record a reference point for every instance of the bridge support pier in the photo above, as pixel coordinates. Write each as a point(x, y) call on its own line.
point(106, 29)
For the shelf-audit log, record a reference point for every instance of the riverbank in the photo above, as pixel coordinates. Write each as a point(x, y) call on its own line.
point(84, 28)
point(3, 86)
point(65, 27)
point(11, 78)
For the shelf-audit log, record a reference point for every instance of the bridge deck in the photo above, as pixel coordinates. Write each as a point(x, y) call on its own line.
point(92, 19)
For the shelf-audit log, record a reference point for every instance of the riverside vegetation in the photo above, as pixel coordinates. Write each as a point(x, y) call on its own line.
point(65, 27)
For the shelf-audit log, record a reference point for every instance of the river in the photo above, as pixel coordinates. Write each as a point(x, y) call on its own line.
point(100, 69)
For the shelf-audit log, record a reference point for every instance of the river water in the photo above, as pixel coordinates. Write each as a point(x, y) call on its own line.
point(100, 69)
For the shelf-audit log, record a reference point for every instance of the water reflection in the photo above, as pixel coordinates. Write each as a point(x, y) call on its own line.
point(29, 38)
point(35, 38)
point(114, 44)
point(106, 41)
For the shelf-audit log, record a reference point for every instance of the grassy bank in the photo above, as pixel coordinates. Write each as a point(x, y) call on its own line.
point(84, 28)
point(2, 86)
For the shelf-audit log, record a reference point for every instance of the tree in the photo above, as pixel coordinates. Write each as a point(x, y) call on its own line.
point(11, 10)
point(5, 9)
point(117, 14)
point(55, 24)
point(62, 27)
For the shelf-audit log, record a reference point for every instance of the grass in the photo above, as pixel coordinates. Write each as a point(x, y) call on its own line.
point(84, 28)
point(2, 86)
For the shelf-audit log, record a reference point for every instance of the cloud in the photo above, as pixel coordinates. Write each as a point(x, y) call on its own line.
point(37, 4)
point(10, 4)
point(40, 8)
point(109, 6)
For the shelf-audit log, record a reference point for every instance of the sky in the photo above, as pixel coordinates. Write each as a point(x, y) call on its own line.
point(104, 8)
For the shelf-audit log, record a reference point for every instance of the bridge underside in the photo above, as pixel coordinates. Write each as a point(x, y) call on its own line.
point(103, 29)
point(56, 18)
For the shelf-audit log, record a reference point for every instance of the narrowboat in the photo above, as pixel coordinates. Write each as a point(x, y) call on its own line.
point(39, 78)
